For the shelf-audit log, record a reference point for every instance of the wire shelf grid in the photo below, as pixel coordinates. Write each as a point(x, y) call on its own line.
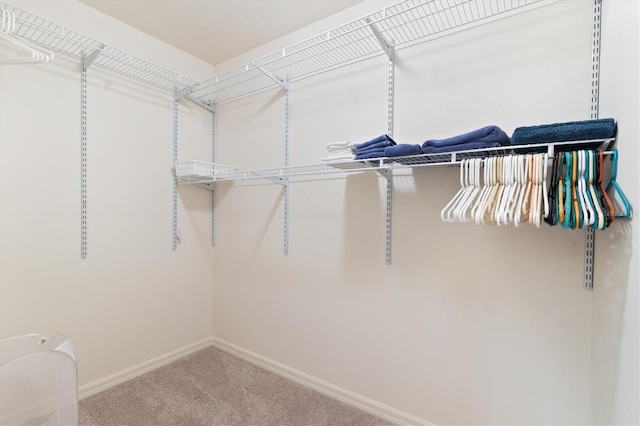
point(401, 24)
point(386, 163)
point(63, 40)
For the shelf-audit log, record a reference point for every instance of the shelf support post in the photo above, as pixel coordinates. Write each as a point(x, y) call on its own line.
point(175, 232)
point(285, 84)
point(589, 244)
point(287, 123)
point(214, 185)
point(389, 49)
point(87, 60)
point(387, 173)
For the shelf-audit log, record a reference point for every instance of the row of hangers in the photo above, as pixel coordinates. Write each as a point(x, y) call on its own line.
point(29, 52)
point(514, 189)
point(577, 196)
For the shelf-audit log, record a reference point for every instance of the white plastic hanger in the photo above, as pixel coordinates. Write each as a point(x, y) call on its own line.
point(525, 188)
point(509, 166)
point(483, 192)
point(454, 212)
point(545, 188)
point(478, 206)
point(35, 54)
point(599, 214)
point(587, 208)
point(485, 213)
point(474, 190)
point(447, 211)
point(519, 170)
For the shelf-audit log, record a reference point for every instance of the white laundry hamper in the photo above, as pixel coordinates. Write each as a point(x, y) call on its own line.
point(38, 381)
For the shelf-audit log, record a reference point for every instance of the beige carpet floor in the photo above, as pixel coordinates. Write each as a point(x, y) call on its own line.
point(211, 387)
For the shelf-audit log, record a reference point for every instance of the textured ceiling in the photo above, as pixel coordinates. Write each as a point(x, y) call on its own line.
point(217, 30)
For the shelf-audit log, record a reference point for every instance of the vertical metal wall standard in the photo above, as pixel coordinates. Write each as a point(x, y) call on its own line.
point(286, 164)
point(213, 108)
point(284, 181)
point(175, 231)
point(389, 49)
point(214, 185)
point(390, 177)
point(87, 60)
point(594, 114)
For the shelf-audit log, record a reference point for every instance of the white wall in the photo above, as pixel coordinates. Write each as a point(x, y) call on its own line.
point(469, 325)
point(133, 298)
point(614, 376)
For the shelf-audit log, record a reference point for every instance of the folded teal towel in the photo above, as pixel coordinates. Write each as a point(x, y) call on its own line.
point(603, 128)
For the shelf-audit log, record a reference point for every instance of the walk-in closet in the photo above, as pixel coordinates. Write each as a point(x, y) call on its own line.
point(358, 212)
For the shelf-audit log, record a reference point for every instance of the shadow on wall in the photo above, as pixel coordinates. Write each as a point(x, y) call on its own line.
point(611, 279)
point(194, 201)
point(364, 229)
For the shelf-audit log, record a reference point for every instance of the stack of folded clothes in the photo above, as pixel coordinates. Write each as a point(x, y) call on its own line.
point(402, 150)
point(340, 151)
point(599, 129)
point(374, 148)
point(485, 137)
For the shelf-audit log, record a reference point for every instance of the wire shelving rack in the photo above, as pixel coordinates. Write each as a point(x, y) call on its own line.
point(63, 40)
point(402, 24)
point(387, 163)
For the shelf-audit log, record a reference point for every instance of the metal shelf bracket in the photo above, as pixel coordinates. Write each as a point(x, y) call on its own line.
point(386, 45)
point(283, 82)
point(278, 180)
point(179, 94)
point(88, 59)
point(208, 105)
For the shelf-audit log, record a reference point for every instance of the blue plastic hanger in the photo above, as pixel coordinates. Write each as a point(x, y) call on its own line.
point(628, 213)
point(569, 214)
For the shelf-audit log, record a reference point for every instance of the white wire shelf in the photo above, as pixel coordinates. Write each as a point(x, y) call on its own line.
point(282, 174)
point(402, 24)
point(63, 40)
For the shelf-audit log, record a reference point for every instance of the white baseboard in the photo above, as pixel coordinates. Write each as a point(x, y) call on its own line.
point(138, 370)
point(348, 397)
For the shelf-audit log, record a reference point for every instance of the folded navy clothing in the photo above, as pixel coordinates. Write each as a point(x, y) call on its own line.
point(402, 149)
point(379, 145)
point(491, 134)
point(381, 138)
point(373, 154)
point(603, 128)
point(459, 147)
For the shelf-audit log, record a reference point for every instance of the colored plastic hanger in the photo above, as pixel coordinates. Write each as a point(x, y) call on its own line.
point(628, 212)
point(568, 205)
point(609, 210)
point(552, 217)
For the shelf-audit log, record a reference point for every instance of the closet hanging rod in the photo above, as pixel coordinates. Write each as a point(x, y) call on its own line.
point(71, 43)
point(405, 22)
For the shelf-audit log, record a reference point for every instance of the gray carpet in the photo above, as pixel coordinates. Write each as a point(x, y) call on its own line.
point(211, 387)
